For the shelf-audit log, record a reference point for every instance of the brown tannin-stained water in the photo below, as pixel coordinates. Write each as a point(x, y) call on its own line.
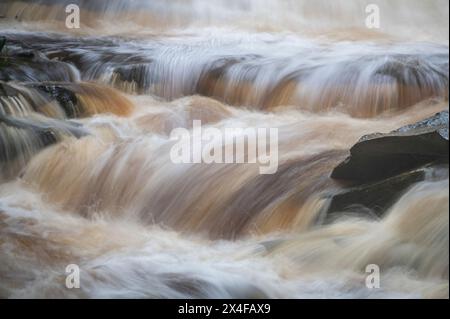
point(87, 179)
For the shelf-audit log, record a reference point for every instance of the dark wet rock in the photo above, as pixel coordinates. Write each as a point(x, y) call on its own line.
point(139, 74)
point(44, 126)
point(379, 156)
point(382, 167)
point(38, 95)
point(439, 122)
point(65, 97)
point(16, 98)
point(91, 58)
point(7, 90)
point(40, 136)
point(27, 65)
point(410, 70)
point(2, 43)
point(61, 99)
point(47, 131)
point(374, 199)
point(21, 138)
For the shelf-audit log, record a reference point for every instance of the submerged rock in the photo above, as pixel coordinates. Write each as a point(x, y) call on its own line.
point(374, 199)
point(61, 99)
point(2, 42)
point(21, 138)
point(18, 99)
point(31, 66)
point(66, 98)
point(7, 90)
point(379, 156)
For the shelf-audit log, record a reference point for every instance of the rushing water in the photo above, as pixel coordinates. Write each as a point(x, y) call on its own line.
point(92, 184)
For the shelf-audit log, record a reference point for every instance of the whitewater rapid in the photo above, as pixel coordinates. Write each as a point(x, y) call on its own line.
point(106, 197)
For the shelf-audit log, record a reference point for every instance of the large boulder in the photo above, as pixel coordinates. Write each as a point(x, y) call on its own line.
point(382, 167)
point(379, 156)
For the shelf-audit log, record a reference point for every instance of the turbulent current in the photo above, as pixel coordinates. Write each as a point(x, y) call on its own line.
point(87, 178)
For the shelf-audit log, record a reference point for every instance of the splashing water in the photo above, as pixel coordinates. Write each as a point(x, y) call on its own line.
point(85, 170)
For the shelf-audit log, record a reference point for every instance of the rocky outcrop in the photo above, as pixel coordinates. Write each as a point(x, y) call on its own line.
point(381, 167)
point(379, 156)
